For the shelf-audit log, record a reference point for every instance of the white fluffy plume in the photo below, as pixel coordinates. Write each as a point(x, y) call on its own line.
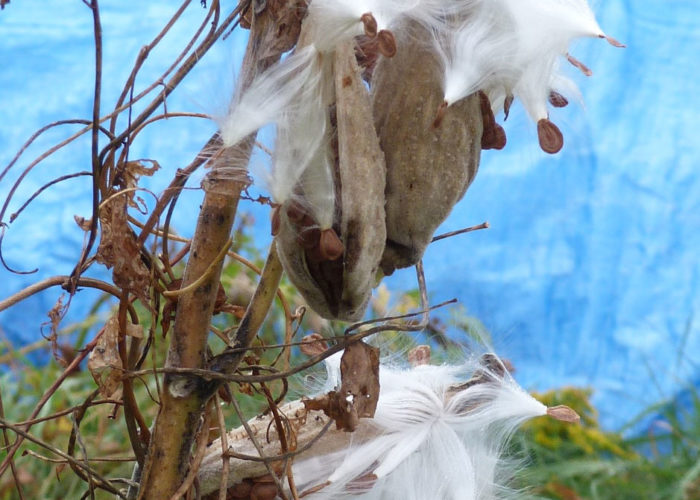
point(514, 47)
point(290, 84)
point(434, 435)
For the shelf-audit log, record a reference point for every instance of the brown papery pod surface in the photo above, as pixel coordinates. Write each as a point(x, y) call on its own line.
point(340, 288)
point(428, 167)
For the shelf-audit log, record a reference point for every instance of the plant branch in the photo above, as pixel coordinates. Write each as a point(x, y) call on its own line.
point(101, 481)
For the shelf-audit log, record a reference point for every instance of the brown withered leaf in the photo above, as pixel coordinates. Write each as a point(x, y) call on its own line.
point(359, 389)
point(82, 222)
point(55, 315)
point(119, 250)
point(104, 362)
point(134, 170)
point(313, 345)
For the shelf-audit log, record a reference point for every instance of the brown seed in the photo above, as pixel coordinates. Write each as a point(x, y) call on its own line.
point(370, 24)
point(295, 212)
point(584, 69)
point(419, 355)
point(366, 55)
point(264, 491)
point(308, 237)
point(386, 43)
point(551, 138)
point(241, 490)
point(563, 413)
point(330, 245)
point(613, 42)
point(493, 137)
point(557, 100)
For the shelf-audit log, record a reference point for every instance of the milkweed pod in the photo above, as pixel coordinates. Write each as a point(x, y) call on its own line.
point(429, 165)
point(336, 276)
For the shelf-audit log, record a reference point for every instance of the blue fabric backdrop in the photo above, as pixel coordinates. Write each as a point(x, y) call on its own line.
point(590, 272)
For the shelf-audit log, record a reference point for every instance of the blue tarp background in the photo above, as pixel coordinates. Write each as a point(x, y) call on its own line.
point(590, 273)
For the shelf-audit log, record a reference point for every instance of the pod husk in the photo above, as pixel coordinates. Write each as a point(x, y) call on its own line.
point(429, 168)
point(341, 288)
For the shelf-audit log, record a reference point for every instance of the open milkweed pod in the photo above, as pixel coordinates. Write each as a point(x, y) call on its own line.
point(340, 288)
point(428, 167)
point(438, 432)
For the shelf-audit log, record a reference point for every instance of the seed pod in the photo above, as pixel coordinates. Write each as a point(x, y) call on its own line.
point(340, 288)
point(429, 165)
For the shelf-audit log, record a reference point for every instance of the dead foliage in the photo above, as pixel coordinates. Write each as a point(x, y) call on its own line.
point(358, 394)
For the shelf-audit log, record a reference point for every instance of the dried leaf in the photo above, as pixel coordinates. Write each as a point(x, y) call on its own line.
point(359, 389)
point(313, 344)
point(104, 362)
point(119, 249)
point(55, 315)
point(83, 223)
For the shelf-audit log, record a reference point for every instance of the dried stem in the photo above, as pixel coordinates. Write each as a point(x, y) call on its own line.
point(225, 466)
point(101, 481)
point(183, 399)
point(96, 163)
point(483, 225)
point(254, 440)
point(6, 443)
